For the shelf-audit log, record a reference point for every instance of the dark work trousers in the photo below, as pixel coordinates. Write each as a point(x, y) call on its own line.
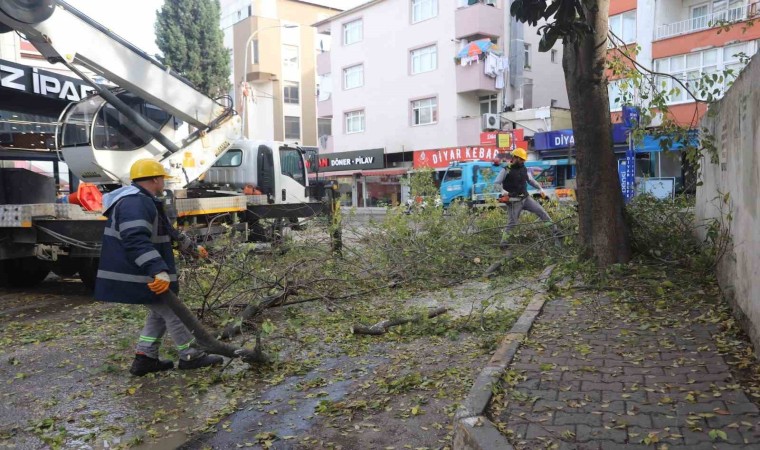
point(160, 319)
point(515, 208)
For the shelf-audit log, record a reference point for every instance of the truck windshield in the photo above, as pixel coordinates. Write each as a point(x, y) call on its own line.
point(291, 164)
point(452, 174)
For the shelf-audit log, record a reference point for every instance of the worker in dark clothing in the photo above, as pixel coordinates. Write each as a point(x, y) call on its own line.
point(514, 179)
point(137, 265)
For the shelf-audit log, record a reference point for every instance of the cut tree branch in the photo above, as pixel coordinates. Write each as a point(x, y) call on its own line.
point(205, 340)
point(382, 327)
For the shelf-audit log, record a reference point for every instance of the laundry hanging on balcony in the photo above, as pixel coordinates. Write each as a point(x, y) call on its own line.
point(475, 51)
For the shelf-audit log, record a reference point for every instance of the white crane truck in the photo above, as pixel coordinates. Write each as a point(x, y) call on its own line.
point(151, 113)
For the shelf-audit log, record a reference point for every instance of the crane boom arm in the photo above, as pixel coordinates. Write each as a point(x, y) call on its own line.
point(98, 49)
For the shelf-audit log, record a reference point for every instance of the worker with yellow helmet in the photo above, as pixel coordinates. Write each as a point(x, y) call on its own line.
point(513, 180)
point(137, 266)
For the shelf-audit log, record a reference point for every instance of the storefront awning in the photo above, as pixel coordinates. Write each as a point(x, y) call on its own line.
point(384, 172)
point(337, 173)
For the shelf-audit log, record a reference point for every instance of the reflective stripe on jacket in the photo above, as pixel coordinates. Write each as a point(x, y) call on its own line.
point(137, 245)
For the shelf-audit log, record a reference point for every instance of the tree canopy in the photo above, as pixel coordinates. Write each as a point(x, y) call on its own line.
point(189, 36)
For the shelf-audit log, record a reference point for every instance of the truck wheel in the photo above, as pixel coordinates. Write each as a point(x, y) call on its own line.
point(88, 271)
point(25, 272)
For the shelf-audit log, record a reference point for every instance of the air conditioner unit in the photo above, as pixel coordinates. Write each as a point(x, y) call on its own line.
point(491, 122)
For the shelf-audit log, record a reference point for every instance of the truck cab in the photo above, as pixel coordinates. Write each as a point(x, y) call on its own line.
point(473, 181)
point(470, 182)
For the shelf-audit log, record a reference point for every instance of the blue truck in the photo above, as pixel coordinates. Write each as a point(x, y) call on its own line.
point(471, 182)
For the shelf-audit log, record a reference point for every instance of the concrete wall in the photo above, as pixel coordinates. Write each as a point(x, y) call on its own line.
point(735, 123)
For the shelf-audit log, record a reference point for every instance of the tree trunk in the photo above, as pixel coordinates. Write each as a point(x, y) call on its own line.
point(604, 234)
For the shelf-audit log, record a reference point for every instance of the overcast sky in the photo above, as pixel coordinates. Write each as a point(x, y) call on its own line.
point(133, 19)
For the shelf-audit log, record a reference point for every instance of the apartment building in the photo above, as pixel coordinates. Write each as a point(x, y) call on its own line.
point(394, 79)
point(273, 51)
point(685, 38)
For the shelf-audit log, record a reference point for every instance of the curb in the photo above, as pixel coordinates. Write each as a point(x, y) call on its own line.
point(472, 430)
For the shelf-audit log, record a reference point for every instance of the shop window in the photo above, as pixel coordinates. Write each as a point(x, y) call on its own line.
point(383, 191)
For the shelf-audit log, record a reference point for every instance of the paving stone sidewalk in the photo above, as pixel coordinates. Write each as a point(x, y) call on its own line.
point(591, 376)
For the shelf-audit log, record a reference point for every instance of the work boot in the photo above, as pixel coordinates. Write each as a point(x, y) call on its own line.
point(201, 361)
point(143, 365)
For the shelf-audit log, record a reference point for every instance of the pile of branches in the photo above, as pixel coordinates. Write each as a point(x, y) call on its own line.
point(430, 248)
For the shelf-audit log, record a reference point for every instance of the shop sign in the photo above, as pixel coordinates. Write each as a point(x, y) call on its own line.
point(41, 82)
point(488, 137)
point(502, 139)
point(355, 160)
point(627, 173)
point(444, 156)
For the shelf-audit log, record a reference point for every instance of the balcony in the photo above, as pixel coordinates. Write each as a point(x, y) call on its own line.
point(715, 19)
point(472, 79)
point(323, 63)
point(468, 131)
point(325, 108)
point(478, 21)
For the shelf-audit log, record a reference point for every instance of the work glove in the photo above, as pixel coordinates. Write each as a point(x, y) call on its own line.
point(160, 283)
point(202, 252)
point(504, 198)
point(543, 194)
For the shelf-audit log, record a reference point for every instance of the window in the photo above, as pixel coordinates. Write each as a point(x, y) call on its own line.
point(290, 92)
point(233, 158)
point(290, 56)
point(423, 10)
point(453, 175)
point(324, 127)
point(489, 105)
point(619, 93)
point(354, 122)
point(353, 77)
point(292, 127)
point(690, 68)
point(424, 59)
point(699, 16)
point(624, 26)
point(353, 32)
point(255, 51)
point(425, 111)
point(291, 164)
point(526, 65)
point(554, 56)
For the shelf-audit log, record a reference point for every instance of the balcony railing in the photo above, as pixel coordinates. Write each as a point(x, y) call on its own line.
point(708, 21)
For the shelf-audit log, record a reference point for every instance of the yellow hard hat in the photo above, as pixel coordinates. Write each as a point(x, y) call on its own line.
point(520, 153)
point(147, 168)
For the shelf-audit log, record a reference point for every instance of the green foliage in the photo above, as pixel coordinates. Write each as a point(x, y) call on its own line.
point(666, 231)
point(188, 34)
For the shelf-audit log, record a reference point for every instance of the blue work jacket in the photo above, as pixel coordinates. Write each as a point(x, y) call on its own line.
point(137, 245)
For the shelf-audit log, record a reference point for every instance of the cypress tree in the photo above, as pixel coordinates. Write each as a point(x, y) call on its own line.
point(188, 34)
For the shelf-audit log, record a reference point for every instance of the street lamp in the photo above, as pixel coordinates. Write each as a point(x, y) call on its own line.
point(245, 68)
